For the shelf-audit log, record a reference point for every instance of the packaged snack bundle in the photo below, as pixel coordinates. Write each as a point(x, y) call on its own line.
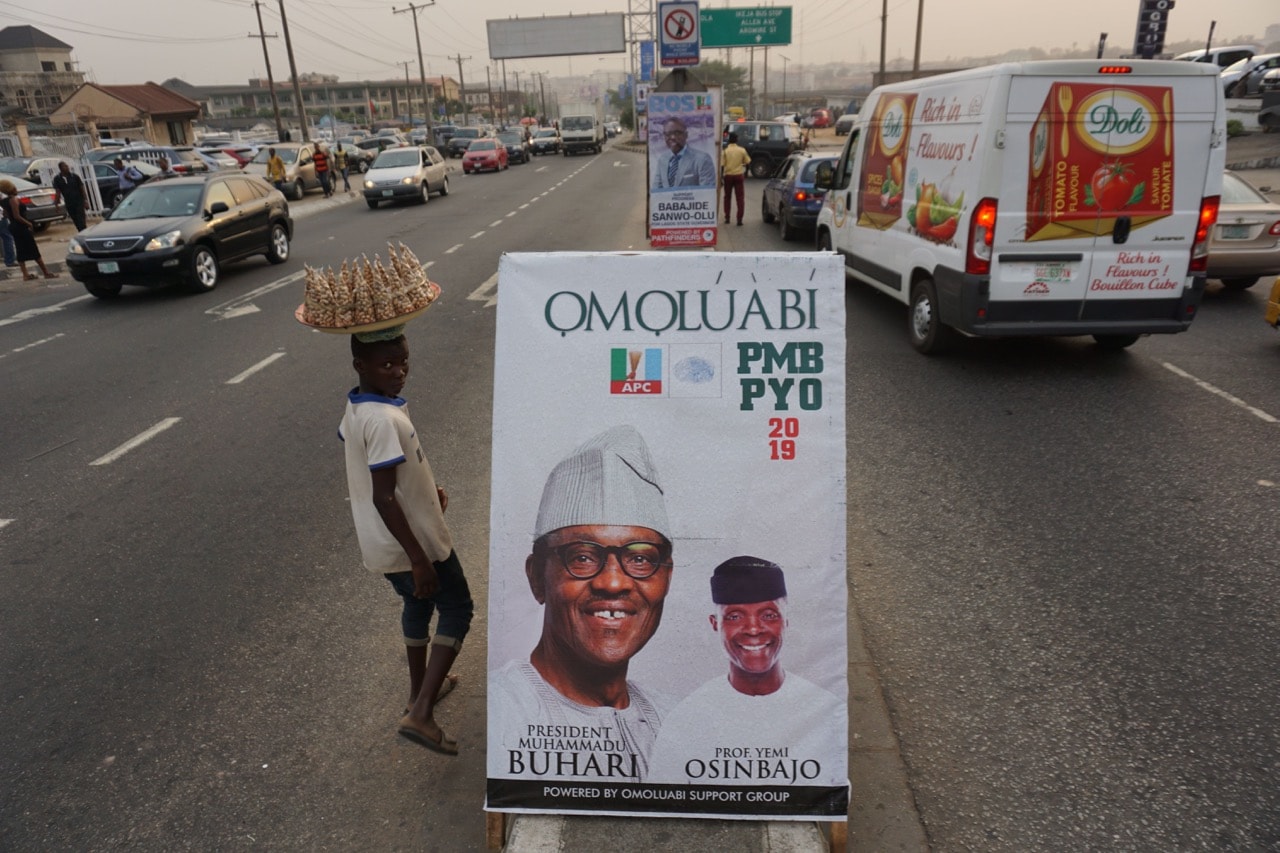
point(364, 292)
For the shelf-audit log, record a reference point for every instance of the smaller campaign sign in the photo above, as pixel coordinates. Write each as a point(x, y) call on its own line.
point(678, 41)
point(683, 133)
point(646, 60)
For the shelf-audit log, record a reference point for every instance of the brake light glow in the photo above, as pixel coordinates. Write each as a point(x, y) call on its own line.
point(1116, 69)
point(1200, 248)
point(801, 195)
point(1275, 230)
point(982, 230)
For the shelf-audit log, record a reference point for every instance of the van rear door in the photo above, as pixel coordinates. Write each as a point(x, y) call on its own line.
point(1103, 180)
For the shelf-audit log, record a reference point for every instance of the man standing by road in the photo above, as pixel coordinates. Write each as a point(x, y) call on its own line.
point(759, 706)
point(275, 169)
point(321, 161)
point(681, 165)
point(733, 163)
point(342, 167)
point(601, 568)
point(127, 177)
point(70, 189)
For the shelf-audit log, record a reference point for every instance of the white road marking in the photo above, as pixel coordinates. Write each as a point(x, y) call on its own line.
point(477, 234)
point(511, 214)
point(1212, 389)
point(5, 522)
point(523, 206)
point(618, 164)
point(238, 378)
point(243, 304)
point(32, 313)
point(486, 292)
point(138, 440)
point(455, 247)
point(495, 223)
point(34, 344)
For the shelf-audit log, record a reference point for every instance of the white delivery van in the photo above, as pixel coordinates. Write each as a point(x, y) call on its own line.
point(1038, 198)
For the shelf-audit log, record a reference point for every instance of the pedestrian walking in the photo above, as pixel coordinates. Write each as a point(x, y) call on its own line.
point(6, 236)
point(398, 511)
point(321, 162)
point(733, 164)
point(70, 189)
point(24, 237)
point(275, 169)
point(343, 167)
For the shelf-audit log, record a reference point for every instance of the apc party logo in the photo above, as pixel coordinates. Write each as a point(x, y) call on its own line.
point(635, 371)
point(693, 370)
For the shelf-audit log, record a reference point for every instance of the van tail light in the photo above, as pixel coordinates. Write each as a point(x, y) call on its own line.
point(1275, 230)
point(1200, 248)
point(801, 195)
point(982, 230)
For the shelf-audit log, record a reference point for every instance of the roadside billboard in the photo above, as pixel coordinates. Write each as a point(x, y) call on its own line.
point(667, 582)
point(683, 134)
point(566, 35)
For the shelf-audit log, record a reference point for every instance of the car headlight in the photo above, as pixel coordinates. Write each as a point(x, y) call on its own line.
point(164, 241)
point(75, 247)
point(368, 185)
point(409, 180)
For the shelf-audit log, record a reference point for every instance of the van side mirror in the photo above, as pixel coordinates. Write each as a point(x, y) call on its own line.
point(825, 179)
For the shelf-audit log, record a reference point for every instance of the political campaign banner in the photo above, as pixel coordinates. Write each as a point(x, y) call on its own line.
point(684, 167)
point(667, 580)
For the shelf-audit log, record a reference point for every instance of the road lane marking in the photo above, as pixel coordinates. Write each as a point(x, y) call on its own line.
point(455, 247)
point(32, 313)
point(487, 292)
point(5, 522)
point(243, 304)
point(511, 214)
point(523, 206)
point(1212, 389)
point(477, 234)
point(495, 223)
point(240, 377)
point(34, 344)
point(137, 441)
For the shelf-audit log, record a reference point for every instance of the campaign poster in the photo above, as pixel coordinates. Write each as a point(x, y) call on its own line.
point(667, 578)
point(683, 136)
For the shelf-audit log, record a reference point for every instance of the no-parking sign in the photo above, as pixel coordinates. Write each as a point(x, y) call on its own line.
point(678, 40)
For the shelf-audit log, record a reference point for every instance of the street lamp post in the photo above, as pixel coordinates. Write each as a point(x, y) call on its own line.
point(785, 60)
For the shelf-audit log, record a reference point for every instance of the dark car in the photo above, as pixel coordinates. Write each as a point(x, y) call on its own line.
point(789, 197)
point(358, 159)
point(462, 137)
point(109, 183)
point(546, 141)
point(768, 143)
point(42, 204)
point(517, 145)
point(182, 230)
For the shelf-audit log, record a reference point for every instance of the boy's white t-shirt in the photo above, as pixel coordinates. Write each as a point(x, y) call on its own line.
point(376, 433)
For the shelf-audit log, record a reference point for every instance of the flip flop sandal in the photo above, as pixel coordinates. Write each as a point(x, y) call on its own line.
point(409, 730)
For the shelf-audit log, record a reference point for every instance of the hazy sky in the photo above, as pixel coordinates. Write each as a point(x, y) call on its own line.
point(207, 41)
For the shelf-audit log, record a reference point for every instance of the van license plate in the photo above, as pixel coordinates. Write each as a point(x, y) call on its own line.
point(1235, 232)
point(388, 192)
point(108, 267)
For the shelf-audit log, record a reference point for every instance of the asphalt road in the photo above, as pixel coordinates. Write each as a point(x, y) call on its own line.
point(1062, 560)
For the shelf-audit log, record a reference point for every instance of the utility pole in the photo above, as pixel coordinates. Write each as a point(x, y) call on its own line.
point(293, 70)
point(884, 31)
point(488, 84)
point(271, 83)
point(915, 64)
point(407, 91)
point(542, 85)
point(785, 60)
point(422, 68)
point(1102, 44)
point(462, 85)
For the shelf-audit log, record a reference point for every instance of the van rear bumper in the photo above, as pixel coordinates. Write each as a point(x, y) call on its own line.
point(965, 304)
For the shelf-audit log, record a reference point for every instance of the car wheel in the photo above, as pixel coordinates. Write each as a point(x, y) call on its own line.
point(928, 334)
point(425, 195)
point(1239, 283)
point(202, 274)
point(362, 167)
point(444, 187)
point(785, 228)
point(761, 167)
point(278, 248)
point(1114, 342)
point(103, 291)
point(372, 202)
point(298, 190)
point(765, 213)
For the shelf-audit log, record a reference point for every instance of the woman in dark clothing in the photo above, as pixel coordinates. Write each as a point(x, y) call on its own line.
point(23, 235)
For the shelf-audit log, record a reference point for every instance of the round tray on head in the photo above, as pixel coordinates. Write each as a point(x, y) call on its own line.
point(375, 326)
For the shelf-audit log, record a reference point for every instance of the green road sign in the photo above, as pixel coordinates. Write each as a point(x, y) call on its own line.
point(745, 27)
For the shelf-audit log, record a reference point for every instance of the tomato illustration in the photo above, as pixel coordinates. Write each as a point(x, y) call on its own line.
point(943, 232)
point(1112, 185)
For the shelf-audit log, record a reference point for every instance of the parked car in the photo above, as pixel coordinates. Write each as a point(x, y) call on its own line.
point(517, 146)
point(299, 167)
point(768, 143)
point(182, 159)
point(1220, 56)
point(1245, 242)
point(15, 166)
point(463, 137)
point(817, 118)
point(546, 140)
point(789, 198)
point(375, 145)
point(43, 205)
point(441, 134)
point(410, 172)
point(1270, 81)
point(109, 183)
point(1244, 78)
point(182, 230)
point(222, 158)
point(242, 154)
point(358, 159)
point(844, 124)
point(484, 154)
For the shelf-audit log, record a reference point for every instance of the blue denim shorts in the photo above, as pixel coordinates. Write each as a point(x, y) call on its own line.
point(452, 600)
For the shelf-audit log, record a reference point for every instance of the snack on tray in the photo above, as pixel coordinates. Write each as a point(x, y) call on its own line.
point(363, 291)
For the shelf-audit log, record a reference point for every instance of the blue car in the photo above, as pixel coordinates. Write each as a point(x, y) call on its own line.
point(789, 198)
